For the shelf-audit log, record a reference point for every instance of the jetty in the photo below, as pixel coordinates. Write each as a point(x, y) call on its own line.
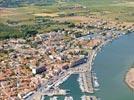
point(85, 82)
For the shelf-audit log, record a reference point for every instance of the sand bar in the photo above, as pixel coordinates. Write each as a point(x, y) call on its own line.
point(129, 78)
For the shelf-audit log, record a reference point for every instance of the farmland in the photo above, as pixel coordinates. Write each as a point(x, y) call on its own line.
point(15, 15)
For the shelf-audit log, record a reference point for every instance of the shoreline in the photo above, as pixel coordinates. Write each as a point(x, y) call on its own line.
point(129, 78)
point(91, 58)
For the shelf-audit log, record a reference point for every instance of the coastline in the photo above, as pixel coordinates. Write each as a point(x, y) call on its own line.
point(94, 53)
point(91, 58)
point(46, 43)
point(119, 50)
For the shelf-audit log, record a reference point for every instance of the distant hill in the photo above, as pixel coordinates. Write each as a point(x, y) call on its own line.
point(17, 3)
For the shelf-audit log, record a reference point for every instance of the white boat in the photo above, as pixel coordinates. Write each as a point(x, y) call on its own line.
point(84, 97)
point(95, 81)
point(53, 98)
point(68, 98)
point(96, 84)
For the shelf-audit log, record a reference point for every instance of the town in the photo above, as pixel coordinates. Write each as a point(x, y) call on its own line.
point(37, 65)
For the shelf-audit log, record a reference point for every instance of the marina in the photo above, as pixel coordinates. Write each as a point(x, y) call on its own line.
point(66, 49)
point(76, 61)
point(88, 81)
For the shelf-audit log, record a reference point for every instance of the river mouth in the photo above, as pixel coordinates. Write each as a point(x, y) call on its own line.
point(111, 64)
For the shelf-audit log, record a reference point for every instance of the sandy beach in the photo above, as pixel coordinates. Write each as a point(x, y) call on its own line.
point(129, 78)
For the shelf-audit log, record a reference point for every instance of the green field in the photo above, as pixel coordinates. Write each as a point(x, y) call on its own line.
point(15, 15)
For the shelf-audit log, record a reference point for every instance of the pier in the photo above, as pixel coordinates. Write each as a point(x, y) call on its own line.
point(85, 82)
